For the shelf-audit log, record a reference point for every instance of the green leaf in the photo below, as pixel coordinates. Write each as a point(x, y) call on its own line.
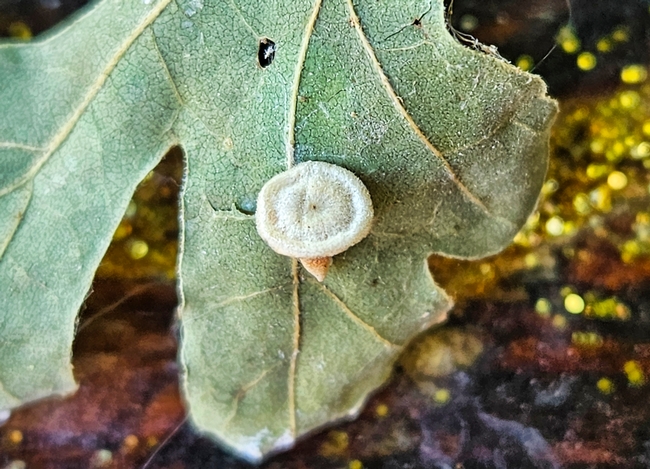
point(451, 143)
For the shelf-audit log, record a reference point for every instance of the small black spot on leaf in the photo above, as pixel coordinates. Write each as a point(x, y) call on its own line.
point(266, 52)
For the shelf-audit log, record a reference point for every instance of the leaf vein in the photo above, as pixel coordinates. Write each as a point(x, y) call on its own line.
point(507, 120)
point(356, 319)
point(241, 16)
point(62, 134)
point(235, 299)
point(293, 102)
point(21, 146)
point(291, 124)
point(397, 102)
point(16, 262)
point(525, 126)
point(166, 69)
point(28, 186)
point(296, 346)
point(243, 390)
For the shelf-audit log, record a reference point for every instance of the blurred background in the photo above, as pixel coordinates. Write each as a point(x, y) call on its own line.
point(545, 361)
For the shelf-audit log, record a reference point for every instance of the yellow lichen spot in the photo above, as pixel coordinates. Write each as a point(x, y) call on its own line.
point(568, 40)
point(645, 128)
point(355, 464)
point(131, 209)
point(605, 386)
point(601, 199)
point(612, 155)
point(570, 228)
point(586, 339)
point(533, 221)
point(577, 338)
point(521, 239)
point(441, 353)
point(487, 269)
point(643, 218)
point(381, 410)
point(581, 204)
point(603, 309)
point(597, 171)
point(621, 34)
point(137, 249)
point(525, 62)
point(634, 373)
point(617, 180)
point(597, 146)
point(610, 131)
point(531, 260)
point(543, 307)
point(580, 114)
point(574, 303)
point(123, 230)
point(640, 151)
point(593, 339)
point(559, 322)
point(441, 396)
point(101, 458)
point(629, 99)
point(605, 110)
point(131, 442)
point(630, 251)
point(550, 187)
point(630, 141)
point(586, 61)
point(468, 23)
point(604, 45)
point(622, 312)
point(596, 222)
point(642, 227)
point(19, 30)
point(554, 226)
point(335, 445)
point(616, 151)
point(15, 437)
point(566, 290)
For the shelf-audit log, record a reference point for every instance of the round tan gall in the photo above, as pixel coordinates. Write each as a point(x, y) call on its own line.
point(313, 210)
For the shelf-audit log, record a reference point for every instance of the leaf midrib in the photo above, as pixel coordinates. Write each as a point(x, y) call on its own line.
point(295, 267)
point(290, 151)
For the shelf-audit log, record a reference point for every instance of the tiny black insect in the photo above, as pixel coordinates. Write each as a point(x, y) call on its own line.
point(266, 52)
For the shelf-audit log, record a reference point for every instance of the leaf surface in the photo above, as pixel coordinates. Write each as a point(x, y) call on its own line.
point(451, 143)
